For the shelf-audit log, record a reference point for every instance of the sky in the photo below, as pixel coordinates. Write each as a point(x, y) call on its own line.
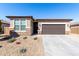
point(40, 10)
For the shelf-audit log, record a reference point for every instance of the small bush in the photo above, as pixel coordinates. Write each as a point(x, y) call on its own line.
point(11, 40)
point(23, 50)
point(1, 36)
point(35, 38)
point(0, 46)
point(25, 38)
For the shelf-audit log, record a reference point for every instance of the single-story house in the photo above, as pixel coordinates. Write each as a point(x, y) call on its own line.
point(27, 25)
point(75, 27)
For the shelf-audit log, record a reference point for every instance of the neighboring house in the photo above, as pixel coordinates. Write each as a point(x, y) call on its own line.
point(75, 28)
point(26, 25)
point(4, 24)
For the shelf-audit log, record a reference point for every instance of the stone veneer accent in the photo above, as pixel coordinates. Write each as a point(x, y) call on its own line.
point(28, 32)
point(9, 31)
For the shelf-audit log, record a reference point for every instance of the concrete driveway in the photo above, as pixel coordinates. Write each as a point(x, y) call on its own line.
point(61, 45)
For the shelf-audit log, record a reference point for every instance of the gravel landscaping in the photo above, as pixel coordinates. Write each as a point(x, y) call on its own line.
point(22, 47)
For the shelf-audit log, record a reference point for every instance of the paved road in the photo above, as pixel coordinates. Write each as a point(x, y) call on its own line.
point(61, 45)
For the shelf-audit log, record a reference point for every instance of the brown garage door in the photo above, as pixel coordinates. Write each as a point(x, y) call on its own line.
point(53, 29)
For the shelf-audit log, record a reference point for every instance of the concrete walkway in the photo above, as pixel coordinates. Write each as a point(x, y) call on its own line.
point(61, 45)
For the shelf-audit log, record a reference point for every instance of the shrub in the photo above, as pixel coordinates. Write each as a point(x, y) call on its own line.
point(35, 38)
point(11, 40)
point(1, 36)
point(25, 38)
point(23, 50)
point(0, 46)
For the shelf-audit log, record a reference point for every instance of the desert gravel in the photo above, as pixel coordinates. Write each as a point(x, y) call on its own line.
point(34, 47)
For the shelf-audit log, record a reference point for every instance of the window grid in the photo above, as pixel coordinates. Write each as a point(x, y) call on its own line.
point(20, 25)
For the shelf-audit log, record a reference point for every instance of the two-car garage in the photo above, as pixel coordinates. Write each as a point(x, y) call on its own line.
point(53, 29)
point(54, 26)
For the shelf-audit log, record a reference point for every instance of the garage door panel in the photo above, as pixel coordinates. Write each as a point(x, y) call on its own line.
point(53, 32)
point(53, 29)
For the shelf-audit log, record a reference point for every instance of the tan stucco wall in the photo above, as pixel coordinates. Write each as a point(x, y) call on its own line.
point(28, 23)
point(75, 29)
point(6, 30)
point(12, 23)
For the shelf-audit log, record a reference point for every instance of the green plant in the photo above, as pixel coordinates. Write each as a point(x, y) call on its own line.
point(35, 38)
point(23, 50)
point(1, 36)
point(25, 38)
point(11, 40)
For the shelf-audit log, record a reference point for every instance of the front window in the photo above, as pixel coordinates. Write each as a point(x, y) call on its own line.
point(16, 24)
point(20, 25)
point(23, 25)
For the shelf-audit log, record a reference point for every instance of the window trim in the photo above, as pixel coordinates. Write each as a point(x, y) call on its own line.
point(15, 24)
point(20, 26)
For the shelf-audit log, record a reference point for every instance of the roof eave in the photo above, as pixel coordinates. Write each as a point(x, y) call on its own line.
point(40, 20)
point(19, 16)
